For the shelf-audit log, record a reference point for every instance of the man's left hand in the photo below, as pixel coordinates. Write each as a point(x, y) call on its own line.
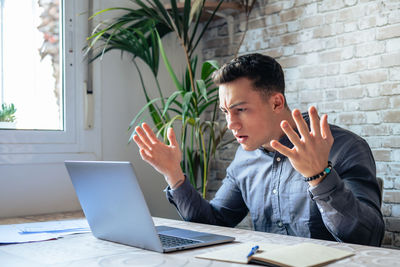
point(310, 153)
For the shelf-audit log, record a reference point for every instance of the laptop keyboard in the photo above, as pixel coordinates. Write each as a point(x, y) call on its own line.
point(172, 241)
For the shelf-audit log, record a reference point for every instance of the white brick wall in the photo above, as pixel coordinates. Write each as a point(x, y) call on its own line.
point(342, 56)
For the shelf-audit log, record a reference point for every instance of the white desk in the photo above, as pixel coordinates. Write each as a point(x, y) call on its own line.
point(85, 250)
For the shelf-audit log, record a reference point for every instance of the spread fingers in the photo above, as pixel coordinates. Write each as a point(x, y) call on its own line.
point(149, 132)
point(142, 139)
point(291, 134)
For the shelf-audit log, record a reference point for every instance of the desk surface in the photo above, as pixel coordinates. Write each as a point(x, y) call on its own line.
point(86, 250)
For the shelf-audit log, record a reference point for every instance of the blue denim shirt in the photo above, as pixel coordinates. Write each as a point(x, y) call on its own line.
point(345, 206)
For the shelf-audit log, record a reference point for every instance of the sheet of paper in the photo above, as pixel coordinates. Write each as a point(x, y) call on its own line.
point(304, 254)
point(54, 227)
point(38, 231)
point(237, 253)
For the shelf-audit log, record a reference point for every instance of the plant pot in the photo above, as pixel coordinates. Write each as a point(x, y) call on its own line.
point(7, 125)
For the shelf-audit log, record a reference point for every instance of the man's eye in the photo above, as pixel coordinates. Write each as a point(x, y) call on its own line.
point(241, 109)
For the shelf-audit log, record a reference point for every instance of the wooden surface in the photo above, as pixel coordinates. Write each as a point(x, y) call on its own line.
point(85, 250)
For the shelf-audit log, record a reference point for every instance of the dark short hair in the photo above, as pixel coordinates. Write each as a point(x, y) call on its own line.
point(264, 71)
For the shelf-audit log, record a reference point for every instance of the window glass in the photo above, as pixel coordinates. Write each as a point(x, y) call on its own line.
point(31, 65)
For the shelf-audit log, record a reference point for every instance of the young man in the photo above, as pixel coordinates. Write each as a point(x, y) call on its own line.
point(295, 173)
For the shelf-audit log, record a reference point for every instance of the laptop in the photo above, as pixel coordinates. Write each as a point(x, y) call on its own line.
point(116, 210)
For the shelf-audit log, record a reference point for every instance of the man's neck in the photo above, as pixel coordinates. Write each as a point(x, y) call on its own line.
point(287, 116)
point(290, 119)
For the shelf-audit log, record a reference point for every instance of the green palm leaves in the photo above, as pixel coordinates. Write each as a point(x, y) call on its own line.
point(7, 112)
point(193, 106)
point(200, 136)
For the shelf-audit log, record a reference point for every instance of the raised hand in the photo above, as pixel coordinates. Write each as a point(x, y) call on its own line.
point(164, 158)
point(310, 153)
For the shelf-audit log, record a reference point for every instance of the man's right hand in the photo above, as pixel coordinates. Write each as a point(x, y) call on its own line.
point(164, 158)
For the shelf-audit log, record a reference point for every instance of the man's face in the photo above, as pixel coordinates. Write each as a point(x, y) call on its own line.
point(250, 117)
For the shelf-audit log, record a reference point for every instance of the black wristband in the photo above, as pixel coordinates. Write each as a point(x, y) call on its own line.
point(321, 174)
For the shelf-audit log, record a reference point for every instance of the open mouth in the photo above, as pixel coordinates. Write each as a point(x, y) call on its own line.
point(241, 138)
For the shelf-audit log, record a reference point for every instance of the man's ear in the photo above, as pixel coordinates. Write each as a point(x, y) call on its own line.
point(278, 102)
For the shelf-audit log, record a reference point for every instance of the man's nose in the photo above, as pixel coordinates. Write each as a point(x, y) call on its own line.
point(233, 123)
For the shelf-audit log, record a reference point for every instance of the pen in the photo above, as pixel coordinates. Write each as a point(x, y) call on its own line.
point(253, 251)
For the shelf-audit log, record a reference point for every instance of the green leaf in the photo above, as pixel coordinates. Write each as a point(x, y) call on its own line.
point(186, 102)
point(109, 9)
point(176, 16)
point(186, 20)
point(201, 85)
point(196, 9)
point(142, 110)
point(168, 125)
point(204, 106)
point(199, 36)
point(168, 65)
point(208, 68)
point(170, 100)
point(192, 169)
point(154, 110)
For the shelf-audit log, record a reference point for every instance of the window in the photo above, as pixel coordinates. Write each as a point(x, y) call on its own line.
point(33, 176)
point(31, 63)
point(43, 73)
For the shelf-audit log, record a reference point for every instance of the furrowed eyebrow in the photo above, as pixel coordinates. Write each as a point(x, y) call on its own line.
point(236, 104)
point(233, 106)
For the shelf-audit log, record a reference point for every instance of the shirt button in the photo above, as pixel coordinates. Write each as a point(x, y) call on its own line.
point(274, 191)
point(321, 210)
point(280, 224)
point(278, 159)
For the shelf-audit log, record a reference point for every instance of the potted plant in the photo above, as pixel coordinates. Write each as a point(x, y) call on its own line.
point(7, 116)
point(139, 32)
point(194, 105)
